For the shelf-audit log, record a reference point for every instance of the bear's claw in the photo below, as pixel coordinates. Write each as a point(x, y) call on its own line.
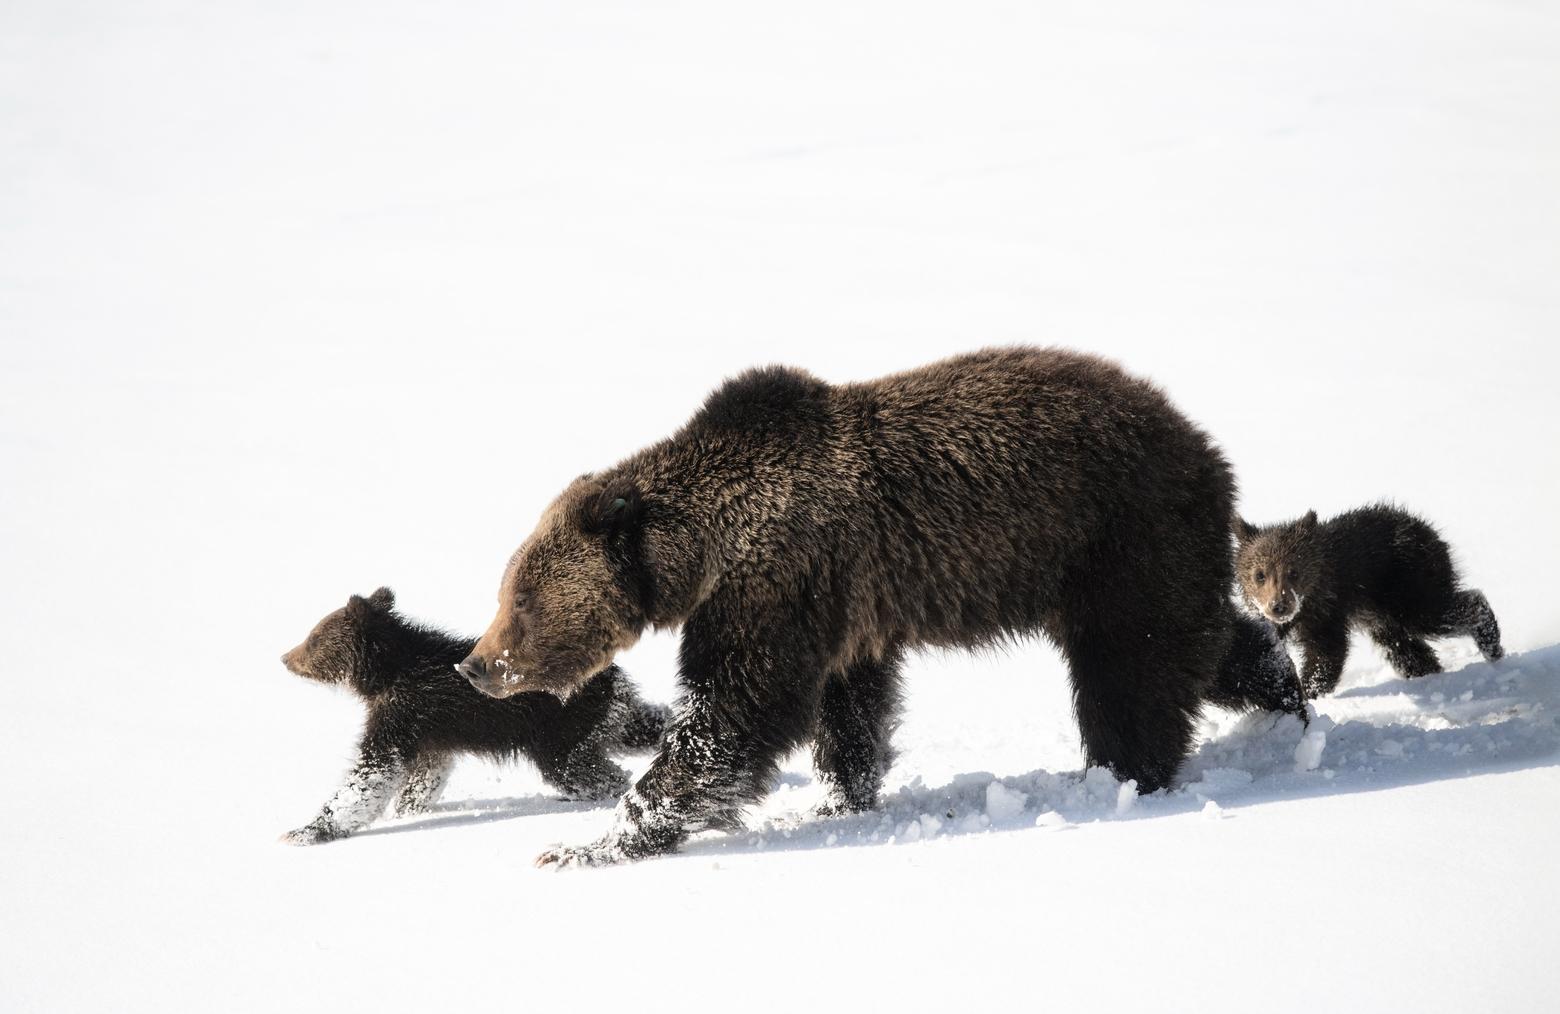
point(311, 834)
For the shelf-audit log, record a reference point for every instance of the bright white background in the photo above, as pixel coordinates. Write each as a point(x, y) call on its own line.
point(299, 299)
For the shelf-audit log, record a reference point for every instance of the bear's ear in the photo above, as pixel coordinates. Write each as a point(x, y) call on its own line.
point(1307, 523)
point(616, 509)
point(357, 607)
point(384, 599)
point(1245, 531)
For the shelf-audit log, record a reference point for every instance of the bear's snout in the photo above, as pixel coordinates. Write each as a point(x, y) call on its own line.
point(473, 668)
point(476, 672)
point(1285, 605)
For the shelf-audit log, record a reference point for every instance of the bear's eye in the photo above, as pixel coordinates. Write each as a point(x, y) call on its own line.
point(1259, 577)
point(1294, 575)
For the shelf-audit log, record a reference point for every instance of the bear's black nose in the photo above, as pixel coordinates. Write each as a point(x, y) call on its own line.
point(473, 668)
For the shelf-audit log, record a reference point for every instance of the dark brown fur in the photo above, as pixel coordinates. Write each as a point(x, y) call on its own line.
point(422, 714)
point(1378, 568)
point(804, 536)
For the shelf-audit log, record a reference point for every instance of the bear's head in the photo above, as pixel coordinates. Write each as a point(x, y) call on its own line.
point(575, 594)
point(341, 647)
point(1276, 566)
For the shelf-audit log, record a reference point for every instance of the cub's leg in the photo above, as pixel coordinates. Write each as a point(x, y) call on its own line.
point(425, 782)
point(1407, 651)
point(1326, 649)
point(1471, 615)
point(369, 786)
point(586, 771)
point(856, 720)
point(643, 722)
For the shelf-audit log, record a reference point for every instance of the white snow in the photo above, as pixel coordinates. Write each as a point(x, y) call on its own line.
point(1308, 753)
point(299, 300)
point(1126, 797)
point(1002, 803)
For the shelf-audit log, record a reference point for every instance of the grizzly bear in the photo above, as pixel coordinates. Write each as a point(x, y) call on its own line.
point(421, 714)
point(1379, 568)
point(805, 536)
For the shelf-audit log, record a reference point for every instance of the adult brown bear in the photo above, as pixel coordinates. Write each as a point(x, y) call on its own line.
point(805, 535)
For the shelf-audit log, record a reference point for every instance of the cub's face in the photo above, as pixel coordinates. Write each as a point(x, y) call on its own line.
point(335, 649)
point(570, 598)
point(1276, 566)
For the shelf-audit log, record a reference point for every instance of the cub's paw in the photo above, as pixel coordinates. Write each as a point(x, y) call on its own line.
point(838, 804)
point(312, 834)
point(1313, 688)
point(606, 790)
point(564, 857)
point(595, 780)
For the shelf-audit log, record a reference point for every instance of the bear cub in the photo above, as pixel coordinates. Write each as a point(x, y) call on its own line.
point(422, 714)
point(1379, 568)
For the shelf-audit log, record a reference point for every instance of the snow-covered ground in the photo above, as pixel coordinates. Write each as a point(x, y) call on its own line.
point(300, 299)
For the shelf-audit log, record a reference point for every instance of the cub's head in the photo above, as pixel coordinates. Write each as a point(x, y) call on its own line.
point(573, 595)
point(1276, 566)
point(340, 648)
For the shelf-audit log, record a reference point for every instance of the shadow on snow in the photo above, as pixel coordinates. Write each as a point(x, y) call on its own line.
point(1482, 718)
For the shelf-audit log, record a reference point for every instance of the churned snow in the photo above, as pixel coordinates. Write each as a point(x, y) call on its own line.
point(1002, 803)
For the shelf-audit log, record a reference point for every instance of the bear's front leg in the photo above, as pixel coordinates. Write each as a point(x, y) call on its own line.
point(640, 829)
point(696, 782)
point(744, 706)
point(369, 786)
point(1326, 650)
point(425, 782)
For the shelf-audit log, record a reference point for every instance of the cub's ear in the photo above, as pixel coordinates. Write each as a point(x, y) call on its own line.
point(384, 598)
point(357, 607)
point(1245, 531)
point(616, 509)
point(1306, 523)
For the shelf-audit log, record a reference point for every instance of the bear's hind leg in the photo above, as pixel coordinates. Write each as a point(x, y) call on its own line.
point(1145, 628)
point(857, 716)
point(1406, 650)
point(1471, 615)
point(1136, 705)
